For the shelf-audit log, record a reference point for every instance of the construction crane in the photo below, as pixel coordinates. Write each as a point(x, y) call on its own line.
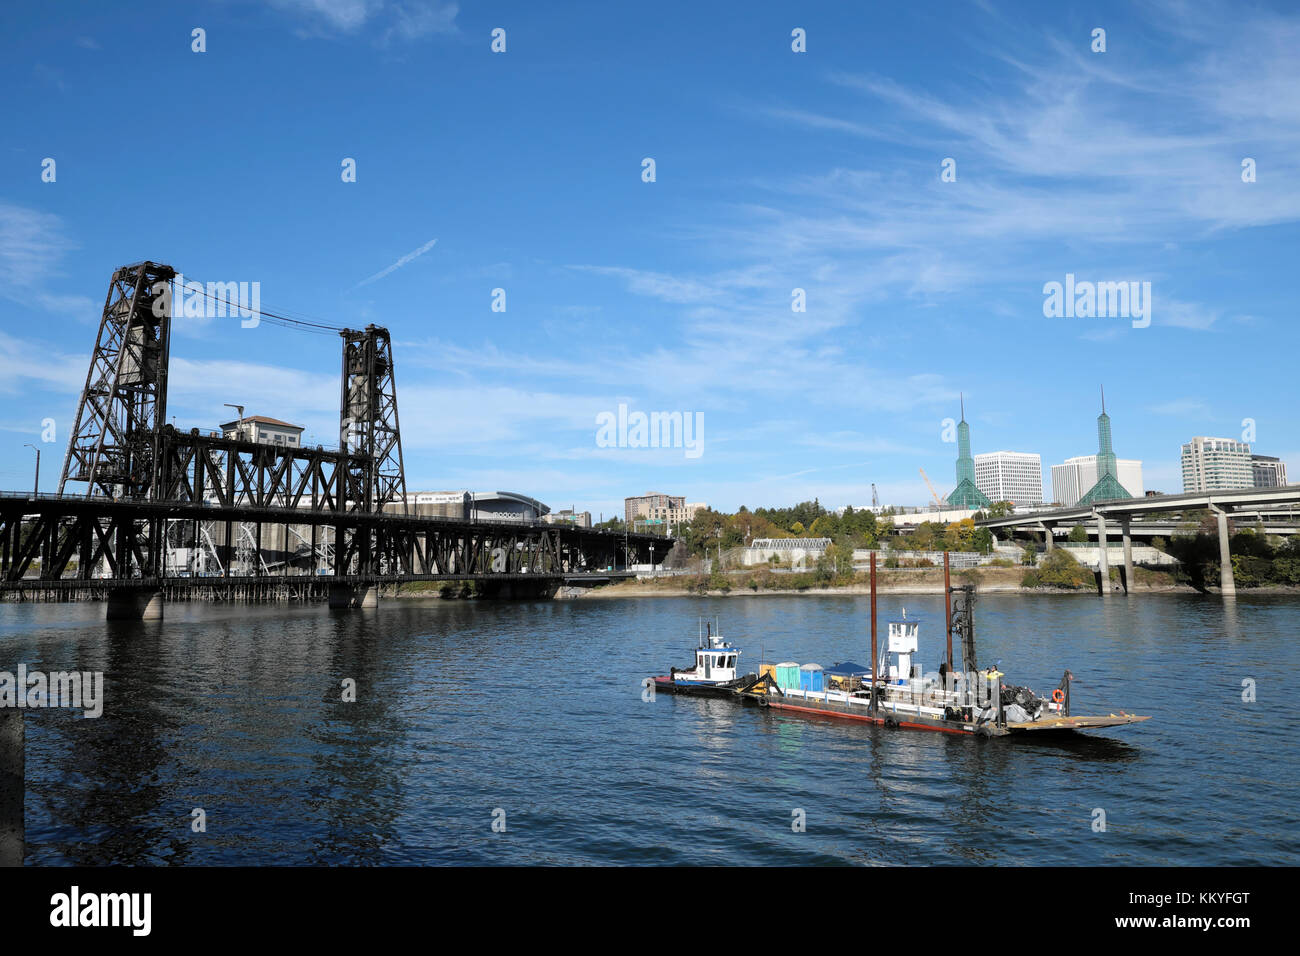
point(875, 498)
point(934, 494)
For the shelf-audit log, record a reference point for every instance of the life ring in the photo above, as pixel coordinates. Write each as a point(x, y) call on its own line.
point(1058, 696)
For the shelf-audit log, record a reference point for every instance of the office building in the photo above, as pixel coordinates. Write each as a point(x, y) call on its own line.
point(1216, 464)
point(579, 519)
point(1010, 476)
point(1268, 472)
point(656, 509)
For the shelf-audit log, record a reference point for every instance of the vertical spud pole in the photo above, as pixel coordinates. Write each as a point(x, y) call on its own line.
point(875, 658)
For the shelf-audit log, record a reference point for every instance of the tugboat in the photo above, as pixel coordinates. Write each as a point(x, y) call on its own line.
point(714, 673)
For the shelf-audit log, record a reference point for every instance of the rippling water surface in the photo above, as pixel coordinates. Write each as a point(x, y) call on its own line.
point(536, 708)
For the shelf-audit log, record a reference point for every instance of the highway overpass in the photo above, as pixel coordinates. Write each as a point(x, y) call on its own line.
point(1244, 502)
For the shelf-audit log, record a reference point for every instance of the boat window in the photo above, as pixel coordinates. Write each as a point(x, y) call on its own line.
point(731, 662)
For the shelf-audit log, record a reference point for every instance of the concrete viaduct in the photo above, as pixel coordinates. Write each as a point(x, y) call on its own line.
point(1124, 510)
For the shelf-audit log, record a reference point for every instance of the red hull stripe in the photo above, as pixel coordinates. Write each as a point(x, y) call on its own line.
point(867, 719)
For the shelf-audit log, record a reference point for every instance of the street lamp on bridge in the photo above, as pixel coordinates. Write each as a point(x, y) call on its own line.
point(36, 485)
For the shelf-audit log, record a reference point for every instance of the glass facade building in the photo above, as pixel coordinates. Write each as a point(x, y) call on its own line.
point(1216, 464)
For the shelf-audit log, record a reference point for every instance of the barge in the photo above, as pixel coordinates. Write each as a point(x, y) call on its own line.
point(893, 691)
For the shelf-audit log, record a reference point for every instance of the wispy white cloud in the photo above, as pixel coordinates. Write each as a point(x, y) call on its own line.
point(27, 364)
point(32, 247)
point(1181, 407)
point(396, 19)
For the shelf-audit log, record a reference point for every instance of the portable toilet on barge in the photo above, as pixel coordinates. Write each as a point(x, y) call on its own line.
point(812, 678)
point(787, 675)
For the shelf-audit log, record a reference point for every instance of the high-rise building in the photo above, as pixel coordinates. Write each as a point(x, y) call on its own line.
point(1107, 487)
point(1268, 472)
point(654, 508)
point(1216, 464)
point(967, 494)
point(1013, 476)
point(1076, 475)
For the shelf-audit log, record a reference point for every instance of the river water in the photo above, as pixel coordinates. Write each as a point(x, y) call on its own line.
point(532, 715)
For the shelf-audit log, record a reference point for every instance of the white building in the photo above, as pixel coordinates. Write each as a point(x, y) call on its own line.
point(265, 431)
point(1216, 464)
point(1014, 476)
point(1075, 478)
point(579, 519)
point(792, 552)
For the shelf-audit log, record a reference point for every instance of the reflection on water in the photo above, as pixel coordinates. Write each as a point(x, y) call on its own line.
point(536, 708)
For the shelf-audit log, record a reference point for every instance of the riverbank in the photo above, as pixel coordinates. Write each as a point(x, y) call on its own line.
point(988, 580)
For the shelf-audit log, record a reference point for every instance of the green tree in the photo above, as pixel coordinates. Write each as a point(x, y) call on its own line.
point(1060, 569)
point(1078, 534)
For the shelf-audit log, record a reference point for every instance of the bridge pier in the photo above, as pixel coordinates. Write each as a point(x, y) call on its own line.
point(1227, 583)
point(1126, 526)
point(134, 604)
point(343, 596)
point(12, 787)
point(1049, 534)
point(540, 588)
point(1101, 546)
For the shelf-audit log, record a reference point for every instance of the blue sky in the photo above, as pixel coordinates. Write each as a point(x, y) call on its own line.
point(775, 170)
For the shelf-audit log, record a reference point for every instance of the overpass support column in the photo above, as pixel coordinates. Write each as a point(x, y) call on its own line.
point(1049, 535)
point(1227, 583)
point(1125, 525)
point(1101, 548)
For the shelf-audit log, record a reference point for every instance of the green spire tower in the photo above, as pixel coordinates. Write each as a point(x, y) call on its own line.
point(1107, 487)
point(966, 495)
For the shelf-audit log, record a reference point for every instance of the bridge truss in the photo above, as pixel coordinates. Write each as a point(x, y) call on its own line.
point(239, 509)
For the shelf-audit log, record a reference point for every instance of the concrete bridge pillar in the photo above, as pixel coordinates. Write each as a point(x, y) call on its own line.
point(1227, 583)
point(1049, 535)
point(1105, 559)
point(12, 786)
point(134, 604)
point(343, 596)
point(1126, 524)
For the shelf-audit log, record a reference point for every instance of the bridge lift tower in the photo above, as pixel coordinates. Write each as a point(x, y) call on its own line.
point(368, 425)
point(115, 442)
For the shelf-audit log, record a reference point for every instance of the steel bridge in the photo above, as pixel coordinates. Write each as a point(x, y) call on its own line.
point(270, 516)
